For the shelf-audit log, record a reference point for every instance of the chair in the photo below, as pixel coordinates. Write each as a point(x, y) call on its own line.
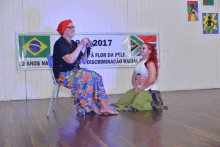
point(50, 62)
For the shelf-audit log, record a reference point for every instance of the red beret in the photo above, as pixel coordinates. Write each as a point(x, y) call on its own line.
point(62, 26)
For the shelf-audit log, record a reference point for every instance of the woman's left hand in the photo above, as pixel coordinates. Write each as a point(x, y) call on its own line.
point(88, 45)
point(139, 90)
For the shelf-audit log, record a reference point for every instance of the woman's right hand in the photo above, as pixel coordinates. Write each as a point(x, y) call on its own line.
point(84, 41)
point(136, 91)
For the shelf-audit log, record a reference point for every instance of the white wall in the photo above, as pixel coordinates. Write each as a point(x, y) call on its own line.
point(189, 59)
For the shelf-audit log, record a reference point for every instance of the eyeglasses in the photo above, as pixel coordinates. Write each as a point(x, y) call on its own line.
point(71, 27)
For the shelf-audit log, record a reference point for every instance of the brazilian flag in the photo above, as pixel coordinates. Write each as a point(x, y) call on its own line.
point(34, 46)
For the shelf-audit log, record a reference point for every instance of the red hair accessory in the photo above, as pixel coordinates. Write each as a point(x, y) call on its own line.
point(62, 26)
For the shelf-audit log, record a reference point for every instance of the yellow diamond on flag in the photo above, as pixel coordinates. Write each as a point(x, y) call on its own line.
point(34, 46)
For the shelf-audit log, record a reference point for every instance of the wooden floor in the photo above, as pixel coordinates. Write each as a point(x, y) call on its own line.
point(193, 120)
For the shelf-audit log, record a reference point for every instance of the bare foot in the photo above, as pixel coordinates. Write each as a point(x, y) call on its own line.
point(95, 108)
point(107, 110)
point(97, 112)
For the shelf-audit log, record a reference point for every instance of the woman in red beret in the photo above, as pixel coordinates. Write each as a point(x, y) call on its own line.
point(86, 85)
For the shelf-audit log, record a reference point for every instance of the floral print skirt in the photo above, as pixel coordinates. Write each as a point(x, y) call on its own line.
point(86, 86)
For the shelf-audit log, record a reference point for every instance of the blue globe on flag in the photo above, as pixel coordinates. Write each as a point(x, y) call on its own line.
point(34, 46)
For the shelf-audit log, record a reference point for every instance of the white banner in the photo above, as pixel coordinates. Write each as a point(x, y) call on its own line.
point(109, 50)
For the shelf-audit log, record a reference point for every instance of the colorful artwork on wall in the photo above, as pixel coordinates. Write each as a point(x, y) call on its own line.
point(192, 8)
point(208, 2)
point(210, 23)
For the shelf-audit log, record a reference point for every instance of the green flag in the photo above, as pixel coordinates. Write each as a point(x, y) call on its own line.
point(34, 46)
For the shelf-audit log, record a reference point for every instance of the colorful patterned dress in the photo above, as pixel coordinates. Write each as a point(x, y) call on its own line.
point(86, 86)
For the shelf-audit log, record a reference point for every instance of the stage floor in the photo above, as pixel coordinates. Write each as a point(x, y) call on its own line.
point(192, 120)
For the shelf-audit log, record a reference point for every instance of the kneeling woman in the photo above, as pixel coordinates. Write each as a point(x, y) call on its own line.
point(143, 80)
point(86, 86)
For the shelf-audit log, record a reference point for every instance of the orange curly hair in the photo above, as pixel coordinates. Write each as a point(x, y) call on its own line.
point(153, 56)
